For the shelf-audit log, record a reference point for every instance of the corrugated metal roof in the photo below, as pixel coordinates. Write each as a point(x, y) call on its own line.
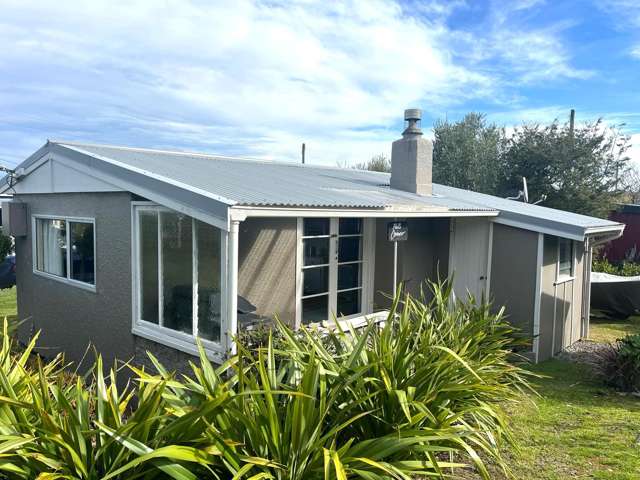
point(525, 211)
point(244, 182)
point(277, 184)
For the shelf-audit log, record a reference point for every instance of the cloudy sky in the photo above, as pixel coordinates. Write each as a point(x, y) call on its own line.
point(259, 78)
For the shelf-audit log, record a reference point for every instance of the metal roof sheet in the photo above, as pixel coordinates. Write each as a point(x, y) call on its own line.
point(276, 184)
point(257, 183)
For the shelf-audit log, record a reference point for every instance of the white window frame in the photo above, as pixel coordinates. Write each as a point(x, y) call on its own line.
point(67, 280)
point(156, 332)
point(367, 262)
point(563, 277)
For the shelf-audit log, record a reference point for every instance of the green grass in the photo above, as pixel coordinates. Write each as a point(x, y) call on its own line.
point(576, 429)
point(608, 330)
point(8, 307)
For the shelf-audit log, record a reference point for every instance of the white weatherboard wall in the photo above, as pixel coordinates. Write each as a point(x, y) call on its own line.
point(469, 256)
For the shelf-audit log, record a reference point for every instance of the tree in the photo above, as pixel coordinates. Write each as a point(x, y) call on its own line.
point(468, 154)
point(579, 170)
point(377, 163)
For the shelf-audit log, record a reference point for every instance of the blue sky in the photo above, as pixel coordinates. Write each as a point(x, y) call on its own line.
point(259, 78)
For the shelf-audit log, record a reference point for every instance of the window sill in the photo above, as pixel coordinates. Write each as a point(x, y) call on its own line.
point(178, 340)
point(74, 283)
point(562, 280)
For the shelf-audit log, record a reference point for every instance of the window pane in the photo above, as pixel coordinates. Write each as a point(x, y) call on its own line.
point(316, 280)
point(51, 246)
point(316, 226)
point(149, 266)
point(350, 226)
point(349, 303)
point(177, 271)
point(349, 276)
point(82, 255)
point(316, 251)
point(349, 249)
point(209, 311)
point(566, 256)
point(315, 309)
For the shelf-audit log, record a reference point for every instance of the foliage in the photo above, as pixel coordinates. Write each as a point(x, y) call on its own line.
point(468, 154)
point(578, 170)
point(377, 163)
point(6, 245)
point(582, 170)
point(421, 395)
point(619, 364)
point(625, 269)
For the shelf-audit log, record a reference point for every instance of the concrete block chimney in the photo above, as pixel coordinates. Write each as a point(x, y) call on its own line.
point(412, 157)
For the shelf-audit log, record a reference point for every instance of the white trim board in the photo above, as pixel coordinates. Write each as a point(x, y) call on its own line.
point(538, 297)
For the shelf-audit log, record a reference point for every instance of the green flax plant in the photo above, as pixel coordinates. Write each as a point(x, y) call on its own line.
point(419, 395)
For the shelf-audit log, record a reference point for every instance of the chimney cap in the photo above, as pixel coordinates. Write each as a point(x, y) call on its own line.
point(412, 114)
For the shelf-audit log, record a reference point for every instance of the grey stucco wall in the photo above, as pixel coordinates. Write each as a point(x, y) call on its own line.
point(513, 274)
point(72, 318)
point(421, 257)
point(267, 265)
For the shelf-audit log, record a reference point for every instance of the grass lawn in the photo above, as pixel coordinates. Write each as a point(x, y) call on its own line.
point(608, 330)
point(8, 307)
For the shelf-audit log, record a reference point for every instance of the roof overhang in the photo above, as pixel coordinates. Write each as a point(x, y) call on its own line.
point(156, 188)
point(558, 229)
point(240, 213)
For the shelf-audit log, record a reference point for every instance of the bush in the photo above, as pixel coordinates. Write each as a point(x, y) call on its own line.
point(619, 364)
point(625, 269)
point(420, 395)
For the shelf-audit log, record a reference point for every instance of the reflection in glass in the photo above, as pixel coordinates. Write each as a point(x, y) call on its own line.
point(177, 271)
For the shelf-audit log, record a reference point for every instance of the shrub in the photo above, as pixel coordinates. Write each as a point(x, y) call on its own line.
point(418, 396)
point(625, 269)
point(619, 364)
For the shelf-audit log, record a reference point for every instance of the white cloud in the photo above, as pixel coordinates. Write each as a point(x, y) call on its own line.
point(254, 78)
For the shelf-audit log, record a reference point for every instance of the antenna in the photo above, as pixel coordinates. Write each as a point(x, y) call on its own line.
point(304, 147)
point(525, 191)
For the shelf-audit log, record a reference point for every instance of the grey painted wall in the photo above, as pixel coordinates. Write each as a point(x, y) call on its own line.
point(267, 265)
point(561, 304)
point(513, 274)
point(419, 258)
point(72, 318)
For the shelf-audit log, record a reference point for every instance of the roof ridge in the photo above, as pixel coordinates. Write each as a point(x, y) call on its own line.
point(207, 155)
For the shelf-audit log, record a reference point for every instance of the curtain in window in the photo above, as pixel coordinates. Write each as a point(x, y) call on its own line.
point(51, 242)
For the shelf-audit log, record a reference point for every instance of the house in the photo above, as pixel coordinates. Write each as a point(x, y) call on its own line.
point(134, 249)
point(627, 247)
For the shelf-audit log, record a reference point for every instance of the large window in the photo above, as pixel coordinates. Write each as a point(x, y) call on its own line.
point(64, 248)
point(565, 257)
point(332, 270)
point(179, 274)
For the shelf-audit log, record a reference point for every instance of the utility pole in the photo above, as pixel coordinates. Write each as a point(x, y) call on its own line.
point(572, 122)
point(304, 147)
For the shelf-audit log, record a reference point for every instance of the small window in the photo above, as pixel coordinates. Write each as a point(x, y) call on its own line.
point(65, 248)
point(565, 257)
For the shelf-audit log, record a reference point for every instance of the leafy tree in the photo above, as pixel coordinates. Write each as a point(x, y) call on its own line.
point(377, 163)
point(579, 169)
point(468, 154)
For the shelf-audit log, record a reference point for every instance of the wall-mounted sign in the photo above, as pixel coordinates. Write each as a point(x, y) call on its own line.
point(397, 231)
